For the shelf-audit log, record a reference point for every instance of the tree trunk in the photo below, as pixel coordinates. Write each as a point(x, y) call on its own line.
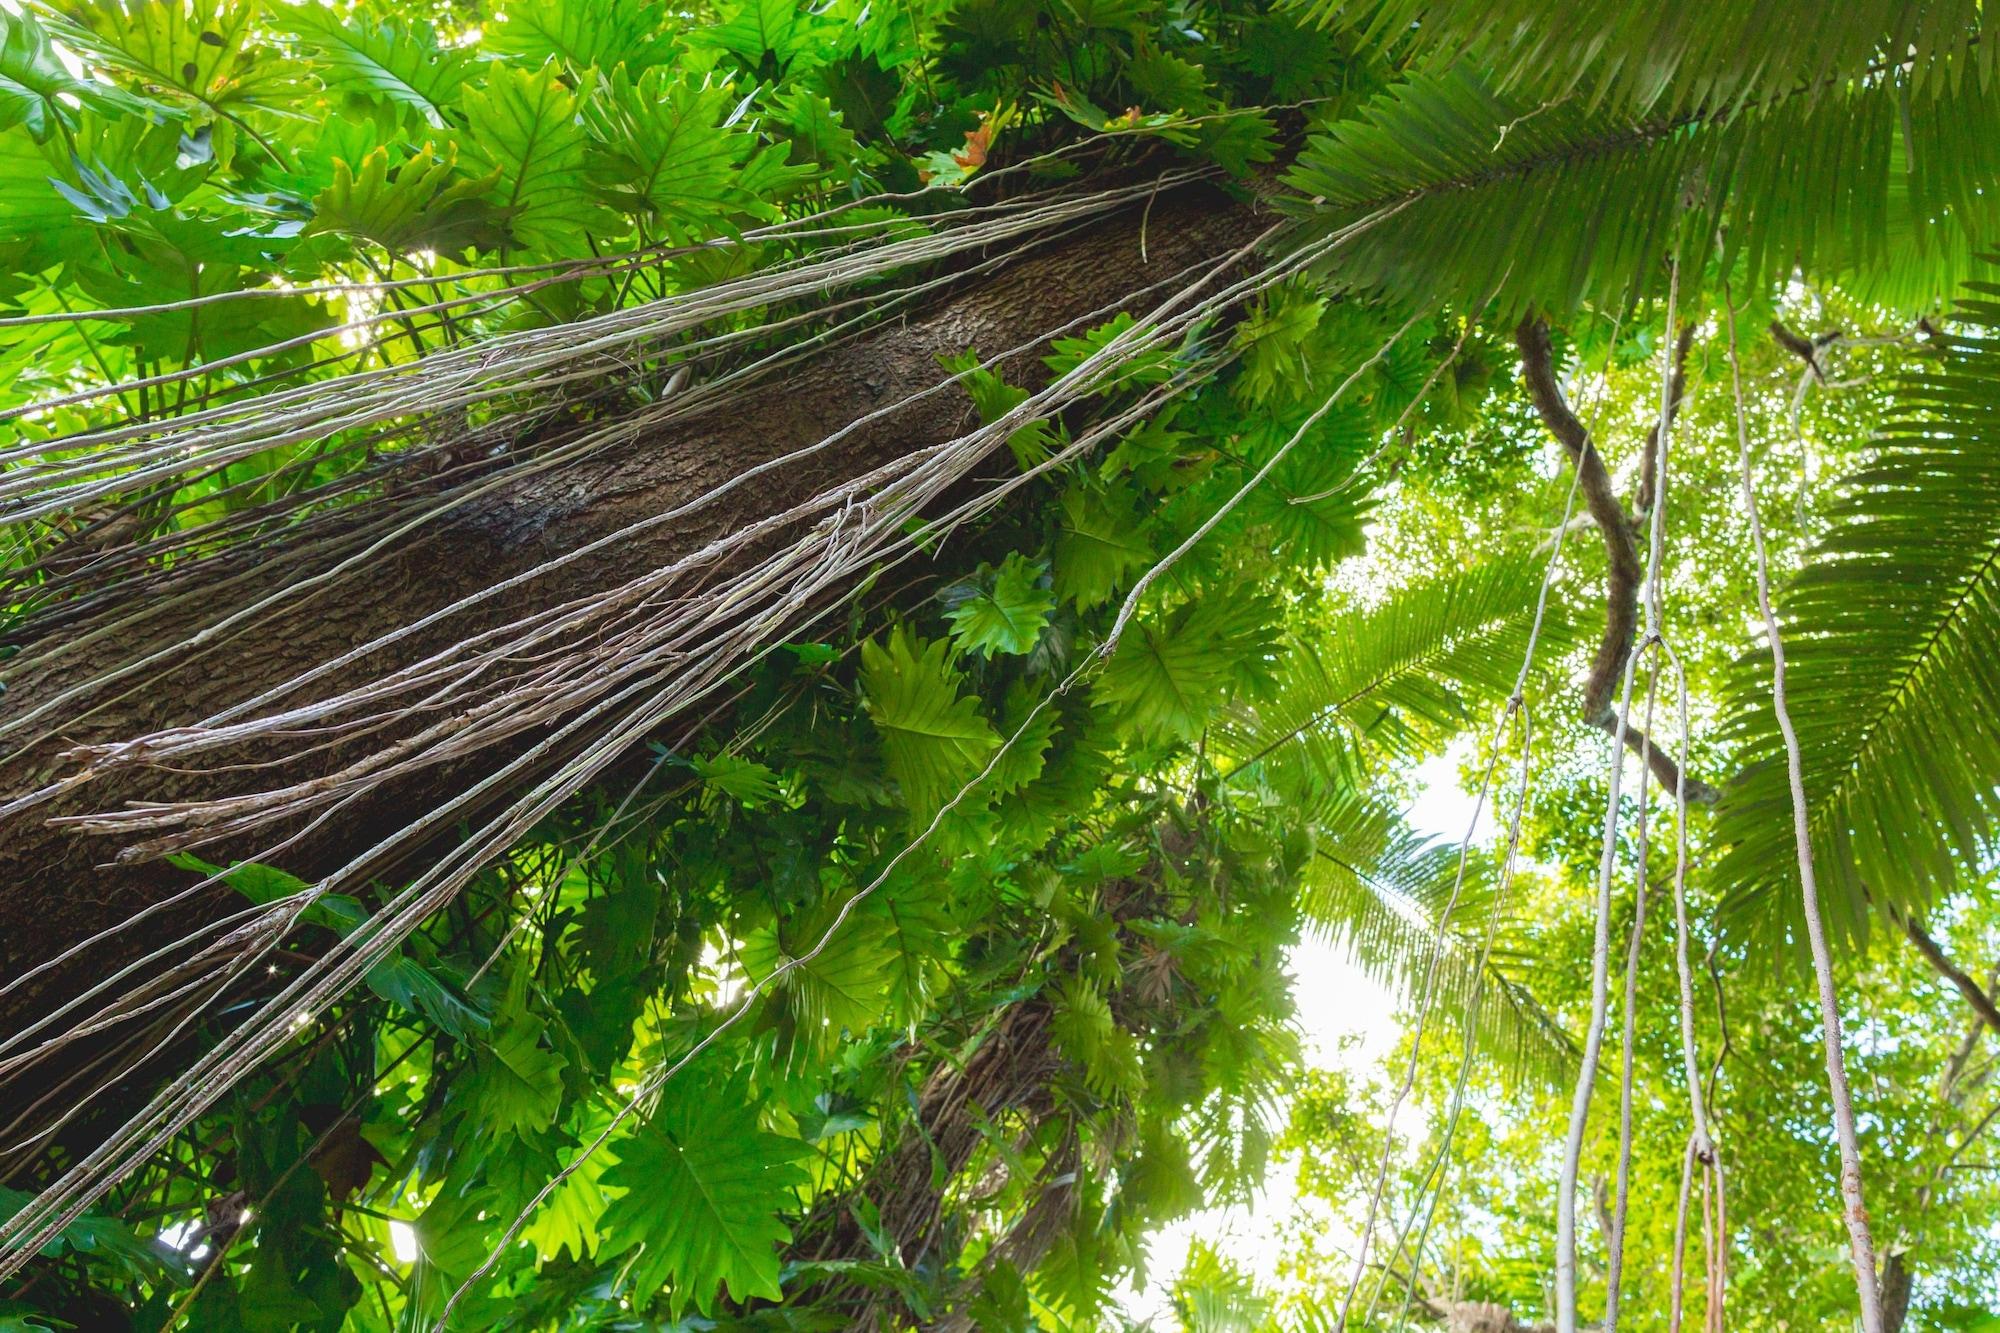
point(58, 886)
point(1896, 1287)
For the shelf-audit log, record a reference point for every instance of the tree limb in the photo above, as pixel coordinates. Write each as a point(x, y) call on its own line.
point(1934, 954)
point(1621, 549)
point(1805, 349)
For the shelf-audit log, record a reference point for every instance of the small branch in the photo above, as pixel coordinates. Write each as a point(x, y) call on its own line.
point(1805, 349)
point(1600, 498)
point(1982, 1003)
point(1621, 546)
point(1665, 770)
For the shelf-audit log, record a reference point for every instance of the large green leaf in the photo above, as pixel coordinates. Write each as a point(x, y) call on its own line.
point(30, 206)
point(1172, 674)
point(1007, 617)
point(678, 153)
point(203, 51)
point(1892, 651)
point(934, 740)
point(1671, 57)
point(36, 89)
point(584, 34)
point(398, 63)
point(752, 29)
point(838, 991)
point(419, 202)
point(1099, 543)
point(516, 1085)
point(571, 1217)
point(525, 127)
point(704, 1187)
point(1557, 204)
point(1407, 667)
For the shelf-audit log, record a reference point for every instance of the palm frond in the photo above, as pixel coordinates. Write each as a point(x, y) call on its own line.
point(1892, 650)
point(1380, 889)
point(1411, 665)
point(1552, 204)
point(1675, 57)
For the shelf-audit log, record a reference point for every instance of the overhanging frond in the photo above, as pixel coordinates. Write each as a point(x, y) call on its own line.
point(1668, 58)
point(1420, 657)
point(1892, 650)
point(1380, 889)
point(1551, 204)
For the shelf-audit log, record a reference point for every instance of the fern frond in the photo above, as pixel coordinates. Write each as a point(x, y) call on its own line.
point(1379, 889)
point(1892, 652)
point(1420, 657)
point(1674, 57)
point(1553, 204)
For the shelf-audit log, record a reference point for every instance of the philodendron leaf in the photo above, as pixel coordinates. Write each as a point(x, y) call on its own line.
point(934, 740)
point(524, 127)
point(704, 1185)
point(1008, 617)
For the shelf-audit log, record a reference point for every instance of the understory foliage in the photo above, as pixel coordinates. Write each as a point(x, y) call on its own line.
point(951, 954)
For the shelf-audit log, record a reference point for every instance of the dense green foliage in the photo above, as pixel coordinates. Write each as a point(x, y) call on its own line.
point(923, 979)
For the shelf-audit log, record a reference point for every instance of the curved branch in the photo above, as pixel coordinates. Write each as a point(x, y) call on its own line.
point(1934, 954)
point(1621, 546)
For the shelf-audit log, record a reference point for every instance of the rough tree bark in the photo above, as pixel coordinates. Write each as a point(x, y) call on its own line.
point(56, 886)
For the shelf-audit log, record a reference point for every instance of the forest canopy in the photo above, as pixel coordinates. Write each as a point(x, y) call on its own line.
point(716, 667)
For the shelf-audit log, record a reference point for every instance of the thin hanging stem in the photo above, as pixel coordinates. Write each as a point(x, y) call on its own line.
point(1718, 1273)
point(1615, 1242)
point(1701, 1145)
point(1677, 1288)
point(1516, 706)
point(1600, 956)
point(1426, 1207)
point(1861, 1243)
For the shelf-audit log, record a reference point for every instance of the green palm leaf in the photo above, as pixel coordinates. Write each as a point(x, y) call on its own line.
point(1554, 204)
point(1678, 56)
point(1379, 889)
point(1415, 661)
point(1892, 650)
point(1386, 678)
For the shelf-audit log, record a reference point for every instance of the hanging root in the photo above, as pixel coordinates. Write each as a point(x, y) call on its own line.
point(1861, 1240)
point(1621, 546)
point(1649, 456)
